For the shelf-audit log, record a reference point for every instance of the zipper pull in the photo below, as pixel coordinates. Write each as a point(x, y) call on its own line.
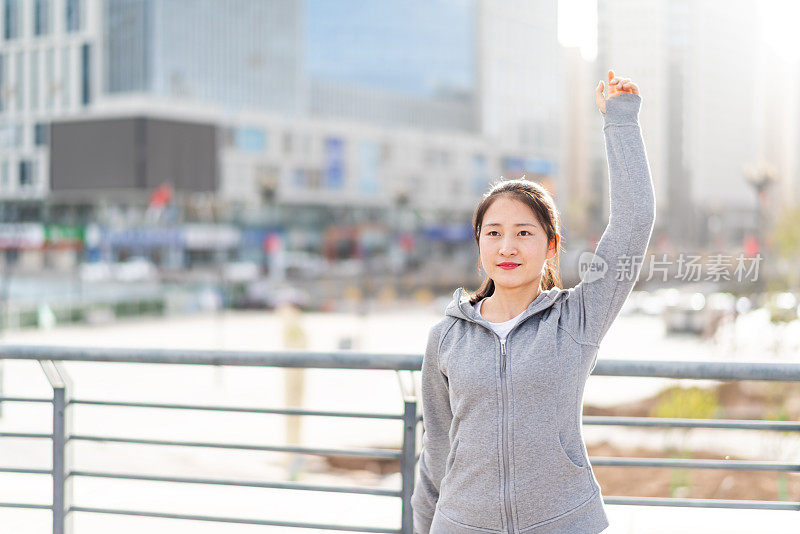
point(503, 354)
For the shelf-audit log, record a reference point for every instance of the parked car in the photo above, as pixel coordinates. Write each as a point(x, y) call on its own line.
point(696, 313)
point(782, 307)
point(135, 269)
point(240, 271)
point(266, 294)
point(301, 264)
point(95, 272)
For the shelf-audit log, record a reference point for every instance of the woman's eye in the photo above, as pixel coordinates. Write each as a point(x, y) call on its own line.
point(495, 231)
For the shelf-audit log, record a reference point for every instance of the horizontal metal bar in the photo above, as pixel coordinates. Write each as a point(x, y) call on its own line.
point(364, 453)
point(25, 435)
point(253, 484)
point(714, 370)
point(286, 358)
point(691, 463)
point(26, 471)
point(701, 370)
point(279, 411)
point(783, 426)
point(24, 399)
point(703, 503)
point(746, 424)
point(233, 520)
point(24, 505)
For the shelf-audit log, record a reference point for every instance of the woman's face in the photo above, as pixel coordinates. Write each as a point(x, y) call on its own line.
point(510, 233)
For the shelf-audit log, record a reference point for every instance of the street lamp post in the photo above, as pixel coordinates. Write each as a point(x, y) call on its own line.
point(761, 178)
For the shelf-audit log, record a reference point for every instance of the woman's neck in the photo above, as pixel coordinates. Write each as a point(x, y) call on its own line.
point(505, 304)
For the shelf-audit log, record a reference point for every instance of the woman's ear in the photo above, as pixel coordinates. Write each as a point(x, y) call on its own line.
point(551, 252)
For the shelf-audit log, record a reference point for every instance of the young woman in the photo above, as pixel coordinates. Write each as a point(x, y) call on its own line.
point(504, 371)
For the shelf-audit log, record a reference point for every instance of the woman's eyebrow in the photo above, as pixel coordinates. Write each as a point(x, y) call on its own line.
point(518, 224)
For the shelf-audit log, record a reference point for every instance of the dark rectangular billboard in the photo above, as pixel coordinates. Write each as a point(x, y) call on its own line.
point(134, 153)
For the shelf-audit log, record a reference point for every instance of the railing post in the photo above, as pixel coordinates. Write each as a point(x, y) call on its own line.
point(408, 460)
point(62, 484)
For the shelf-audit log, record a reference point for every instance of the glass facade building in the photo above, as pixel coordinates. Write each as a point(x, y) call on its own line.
point(392, 62)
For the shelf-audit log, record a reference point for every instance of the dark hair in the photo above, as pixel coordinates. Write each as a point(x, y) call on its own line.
point(538, 199)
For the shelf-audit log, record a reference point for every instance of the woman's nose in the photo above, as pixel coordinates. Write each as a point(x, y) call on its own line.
point(508, 248)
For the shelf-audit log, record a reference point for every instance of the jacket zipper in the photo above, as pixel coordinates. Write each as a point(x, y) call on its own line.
point(503, 358)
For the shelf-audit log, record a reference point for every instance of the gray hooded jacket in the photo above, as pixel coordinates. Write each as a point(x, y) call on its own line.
point(502, 445)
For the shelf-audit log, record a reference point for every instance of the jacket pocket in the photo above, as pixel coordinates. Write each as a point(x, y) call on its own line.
point(566, 456)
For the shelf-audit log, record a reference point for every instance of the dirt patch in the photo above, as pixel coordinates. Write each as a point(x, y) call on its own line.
point(735, 400)
point(689, 483)
point(753, 400)
point(377, 466)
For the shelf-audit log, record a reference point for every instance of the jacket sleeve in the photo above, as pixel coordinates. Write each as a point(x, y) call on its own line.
point(436, 419)
point(624, 242)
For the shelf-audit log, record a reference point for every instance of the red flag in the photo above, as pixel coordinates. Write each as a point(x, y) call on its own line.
point(161, 196)
point(750, 246)
point(272, 243)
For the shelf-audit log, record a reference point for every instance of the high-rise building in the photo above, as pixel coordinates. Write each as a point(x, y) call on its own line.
point(48, 67)
point(698, 115)
point(352, 103)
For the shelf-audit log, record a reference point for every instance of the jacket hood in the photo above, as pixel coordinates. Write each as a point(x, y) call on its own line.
point(460, 307)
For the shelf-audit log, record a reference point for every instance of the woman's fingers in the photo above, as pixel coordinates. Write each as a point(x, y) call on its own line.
point(614, 85)
point(622, 85)
point(599, 98)
point(628, 86)
point(617, 85)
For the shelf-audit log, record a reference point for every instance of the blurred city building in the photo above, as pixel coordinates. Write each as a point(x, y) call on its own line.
point(711, 114)
point(273, 115)
point(356, 129)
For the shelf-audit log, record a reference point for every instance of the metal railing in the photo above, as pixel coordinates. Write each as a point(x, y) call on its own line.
point(62, 474)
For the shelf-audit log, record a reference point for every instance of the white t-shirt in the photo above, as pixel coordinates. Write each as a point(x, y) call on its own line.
point(502, 329)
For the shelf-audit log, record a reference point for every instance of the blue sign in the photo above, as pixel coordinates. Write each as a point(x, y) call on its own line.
point(480, 174)
point(250, 139)
point(334, 163)
point(531, 165)
point(144, 237)
point(368, 166)
point(449, 232)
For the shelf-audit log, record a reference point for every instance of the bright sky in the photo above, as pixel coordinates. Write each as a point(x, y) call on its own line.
point(577, 26)
point(779, 26)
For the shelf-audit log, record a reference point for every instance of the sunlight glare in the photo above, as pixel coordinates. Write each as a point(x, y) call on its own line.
point(577, 26)
point(779, 19)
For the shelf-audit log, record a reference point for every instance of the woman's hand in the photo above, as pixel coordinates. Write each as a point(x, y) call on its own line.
point(616, 86)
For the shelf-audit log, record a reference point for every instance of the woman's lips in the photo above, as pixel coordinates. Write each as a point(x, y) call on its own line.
point(508, 266)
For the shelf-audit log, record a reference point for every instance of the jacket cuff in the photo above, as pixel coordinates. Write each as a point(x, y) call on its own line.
point(622, 109)
point(422, 524)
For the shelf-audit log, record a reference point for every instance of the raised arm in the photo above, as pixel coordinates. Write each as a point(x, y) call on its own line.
point(436, 419)
point(632, 204)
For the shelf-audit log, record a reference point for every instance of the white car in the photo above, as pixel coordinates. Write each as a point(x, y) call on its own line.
point(95, 272)
point(135, 269)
